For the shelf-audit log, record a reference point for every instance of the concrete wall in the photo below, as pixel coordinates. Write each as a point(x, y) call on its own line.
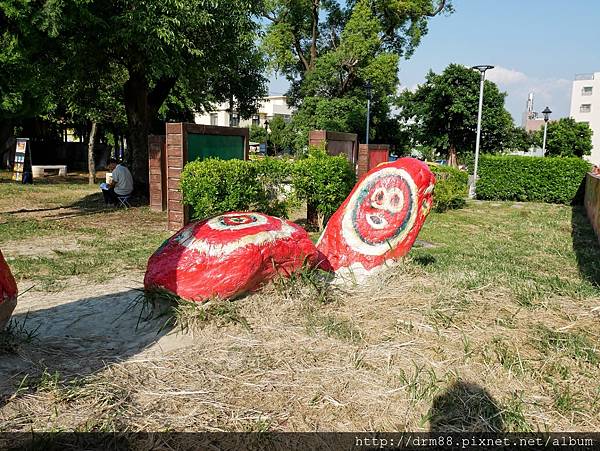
point(369, 156)
point(592, 201)
point(337, 143)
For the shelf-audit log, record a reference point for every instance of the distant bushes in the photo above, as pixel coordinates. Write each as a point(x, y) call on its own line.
point(534, 179)
point(215, 186)
point(323, 181)
point(450, 188)
point(270, 185)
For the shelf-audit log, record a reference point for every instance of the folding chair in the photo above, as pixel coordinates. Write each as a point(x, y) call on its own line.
point(124, 201)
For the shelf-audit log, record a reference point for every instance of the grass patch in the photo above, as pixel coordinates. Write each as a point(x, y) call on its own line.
point(472, 297)
point(420, 384)
point(15, 334)
point(332, 326)
point(575, 344)
point(188, 316)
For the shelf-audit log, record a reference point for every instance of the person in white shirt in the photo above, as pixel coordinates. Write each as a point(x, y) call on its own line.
point(121, 184)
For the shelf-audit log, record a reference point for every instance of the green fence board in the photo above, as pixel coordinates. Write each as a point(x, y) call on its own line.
point(224, 147)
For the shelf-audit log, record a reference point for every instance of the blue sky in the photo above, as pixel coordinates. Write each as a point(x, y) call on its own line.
point(535, 45)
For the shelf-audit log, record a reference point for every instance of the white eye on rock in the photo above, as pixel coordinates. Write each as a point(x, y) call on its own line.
point(394, 200)
point(378, 199)
point(390, 199)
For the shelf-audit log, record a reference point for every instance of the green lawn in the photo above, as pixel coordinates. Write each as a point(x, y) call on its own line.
point(490, 323)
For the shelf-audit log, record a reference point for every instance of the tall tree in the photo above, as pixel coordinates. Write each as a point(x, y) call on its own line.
point(566, 138)
point(23, 59)
point(328, 50)
point(442, 113)
point(205, 47)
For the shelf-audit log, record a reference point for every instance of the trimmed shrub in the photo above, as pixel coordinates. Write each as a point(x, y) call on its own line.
point(451, 188)
point(324, 181)
point(534, 179)
point(214, 186)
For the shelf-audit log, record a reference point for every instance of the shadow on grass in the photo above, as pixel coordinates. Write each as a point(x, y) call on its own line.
point(67, 342)
point(585, 245)
point(90, 204)
point(465, 407)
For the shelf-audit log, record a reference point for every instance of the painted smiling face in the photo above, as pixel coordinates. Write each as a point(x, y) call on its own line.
point(381, 212)
point(381, 217)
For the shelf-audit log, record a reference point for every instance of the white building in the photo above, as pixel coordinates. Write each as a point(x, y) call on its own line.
point(585, 107)
point(269, 108)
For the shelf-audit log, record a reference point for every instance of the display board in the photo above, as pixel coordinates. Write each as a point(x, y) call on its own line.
point(22, 163)
point(188, 142)
point(201, 147)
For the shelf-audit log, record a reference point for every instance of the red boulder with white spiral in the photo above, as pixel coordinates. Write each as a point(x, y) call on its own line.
point(380, 220)
point(8, 293)
point(229, 255)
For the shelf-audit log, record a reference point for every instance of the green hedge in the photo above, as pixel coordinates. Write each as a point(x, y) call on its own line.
point(216, 186)
point(323, 181)
point(451, 188)
point(535, 179)
point(270, 185)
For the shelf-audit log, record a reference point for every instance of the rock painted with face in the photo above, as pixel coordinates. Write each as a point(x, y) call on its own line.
point(228, 255)
point(380, 220)
point(8, 293)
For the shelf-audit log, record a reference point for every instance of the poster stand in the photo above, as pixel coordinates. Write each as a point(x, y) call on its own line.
point(22, 164)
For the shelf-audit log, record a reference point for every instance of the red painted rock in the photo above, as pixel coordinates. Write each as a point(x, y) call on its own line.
point(8, 293)
point(229, 255)
point(380, 219)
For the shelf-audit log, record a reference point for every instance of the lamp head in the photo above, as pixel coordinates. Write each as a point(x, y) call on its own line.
point(546, 114)
point(482, 68)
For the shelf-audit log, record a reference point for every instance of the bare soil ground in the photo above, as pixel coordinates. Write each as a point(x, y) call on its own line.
point(490, 324)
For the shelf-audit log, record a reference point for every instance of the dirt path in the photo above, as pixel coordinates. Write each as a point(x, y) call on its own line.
point(79, 330)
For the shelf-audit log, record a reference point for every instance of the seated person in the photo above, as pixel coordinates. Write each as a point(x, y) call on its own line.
point(121, 184)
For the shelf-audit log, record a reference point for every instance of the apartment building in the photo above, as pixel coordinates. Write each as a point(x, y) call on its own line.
point(585, 107)
point(269, 107)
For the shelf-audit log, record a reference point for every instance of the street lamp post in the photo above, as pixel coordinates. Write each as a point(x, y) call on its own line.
point(368, 87)
point(482, 70)
point(267, 143)
point(546, 114)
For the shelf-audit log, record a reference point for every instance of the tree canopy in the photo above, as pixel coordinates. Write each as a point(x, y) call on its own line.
point(204, 49)
point(328, 50)
point(442, 113)
point(566, 138)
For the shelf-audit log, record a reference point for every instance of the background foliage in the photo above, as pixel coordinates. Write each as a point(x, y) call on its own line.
point(534, 179)
point(442, 113)
point(323, 181)
point(216, 186)
point(329, 49)
point(451, 187)
point(566, 138)
point(270, 185)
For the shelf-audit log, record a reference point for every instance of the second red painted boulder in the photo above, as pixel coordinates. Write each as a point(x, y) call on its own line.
point(229, 255)
point(380, 219)
point(8, 293)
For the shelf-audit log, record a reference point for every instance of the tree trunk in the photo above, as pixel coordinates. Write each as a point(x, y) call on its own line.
point(6, 132)
point(91, 160)
point(452, 158)
point(312, 217)
point(315, 34)
point(136, 107)
point(141, 106)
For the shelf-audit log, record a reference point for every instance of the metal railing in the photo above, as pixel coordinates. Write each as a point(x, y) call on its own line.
point(584, 76)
